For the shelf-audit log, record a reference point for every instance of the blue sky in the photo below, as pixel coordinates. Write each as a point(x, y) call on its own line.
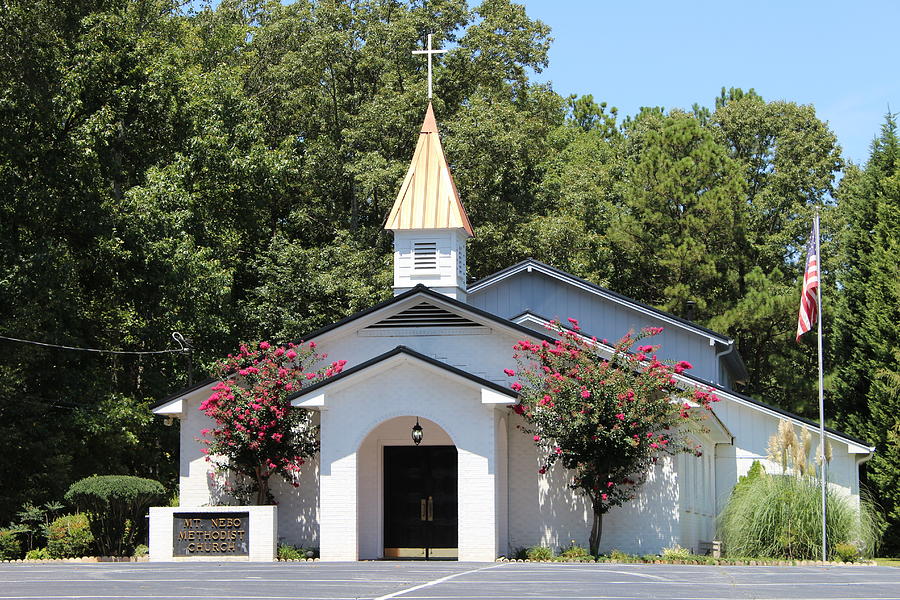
point(841, 57)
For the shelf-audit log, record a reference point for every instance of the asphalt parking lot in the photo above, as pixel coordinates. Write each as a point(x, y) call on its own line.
point(448, 580)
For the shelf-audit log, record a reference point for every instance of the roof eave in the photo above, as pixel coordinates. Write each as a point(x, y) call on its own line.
point(530, 264)
point(317, 389)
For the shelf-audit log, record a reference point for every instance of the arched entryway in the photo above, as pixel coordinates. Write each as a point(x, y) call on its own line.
point(408, 494)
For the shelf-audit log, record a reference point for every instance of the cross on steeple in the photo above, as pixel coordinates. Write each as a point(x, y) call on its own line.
point(429, 52)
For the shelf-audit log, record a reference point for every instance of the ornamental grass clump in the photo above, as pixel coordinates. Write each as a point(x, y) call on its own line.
point(780, 516)
point(606, 413)
point(257, 433)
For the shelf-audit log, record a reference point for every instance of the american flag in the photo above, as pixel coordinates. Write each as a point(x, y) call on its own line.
point(808, 300)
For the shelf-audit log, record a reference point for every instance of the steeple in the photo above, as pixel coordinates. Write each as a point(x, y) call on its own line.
point(428, 198)
point(429, 222)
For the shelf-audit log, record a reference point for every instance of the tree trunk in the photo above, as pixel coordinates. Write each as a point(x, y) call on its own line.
point(262, 487)
point(596, 530)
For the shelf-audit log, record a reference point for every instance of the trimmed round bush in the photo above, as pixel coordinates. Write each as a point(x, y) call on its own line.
point(116, 506)
point(70, 537)
point(10, 546)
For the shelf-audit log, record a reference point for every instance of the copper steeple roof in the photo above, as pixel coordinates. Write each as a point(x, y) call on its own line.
point(428, 198)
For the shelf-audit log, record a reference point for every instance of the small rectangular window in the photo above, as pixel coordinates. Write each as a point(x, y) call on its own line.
point(425, 255)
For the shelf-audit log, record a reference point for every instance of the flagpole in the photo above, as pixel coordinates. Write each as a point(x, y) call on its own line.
point(823, 462)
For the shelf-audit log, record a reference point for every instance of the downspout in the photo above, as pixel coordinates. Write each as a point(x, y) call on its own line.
point(859, 462)
point(719, 356)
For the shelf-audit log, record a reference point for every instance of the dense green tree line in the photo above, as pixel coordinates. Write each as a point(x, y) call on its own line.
point(226, 172)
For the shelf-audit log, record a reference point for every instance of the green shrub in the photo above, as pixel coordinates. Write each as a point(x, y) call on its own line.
point(846, 552)
point(37, 554)
point(539, 553)
point(780, 516)
point(10, 546)
point(141, 550)
point(676, 552)
point(575, 551)
point(619, 556)
point(69, 537)
point(288, 552)
point(33, 522)
point(116, 507)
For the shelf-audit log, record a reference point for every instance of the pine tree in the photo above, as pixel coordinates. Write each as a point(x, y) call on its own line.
point(867, 322)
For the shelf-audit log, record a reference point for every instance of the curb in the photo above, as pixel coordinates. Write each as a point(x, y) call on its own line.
point(297, 560)
point(83, 559)
point(718, 562)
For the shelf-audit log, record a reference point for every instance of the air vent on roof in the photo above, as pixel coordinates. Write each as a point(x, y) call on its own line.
point(424, 255)
point(424, 315)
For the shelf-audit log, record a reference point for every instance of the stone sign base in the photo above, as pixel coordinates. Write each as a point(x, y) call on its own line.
point(213, 533)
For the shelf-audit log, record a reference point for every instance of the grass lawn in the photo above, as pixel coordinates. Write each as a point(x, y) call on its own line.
point(888, 562)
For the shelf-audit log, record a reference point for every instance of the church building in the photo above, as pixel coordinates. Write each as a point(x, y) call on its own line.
point(433, 357)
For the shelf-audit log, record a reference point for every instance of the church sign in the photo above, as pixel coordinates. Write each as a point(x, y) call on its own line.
point(205, 534)
point(213, 533)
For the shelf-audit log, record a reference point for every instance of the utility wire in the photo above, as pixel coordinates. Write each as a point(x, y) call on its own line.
point(184, 346)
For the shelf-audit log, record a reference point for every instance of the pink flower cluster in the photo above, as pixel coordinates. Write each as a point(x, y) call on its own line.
point(606, 416)
point(257, 431)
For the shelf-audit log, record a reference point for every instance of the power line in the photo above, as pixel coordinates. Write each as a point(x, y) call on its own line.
point(184, 346)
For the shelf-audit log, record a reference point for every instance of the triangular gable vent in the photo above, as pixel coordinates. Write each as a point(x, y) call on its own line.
point(422, 315)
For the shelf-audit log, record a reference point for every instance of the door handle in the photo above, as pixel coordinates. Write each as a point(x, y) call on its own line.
point(430, 508)
point(423, 511)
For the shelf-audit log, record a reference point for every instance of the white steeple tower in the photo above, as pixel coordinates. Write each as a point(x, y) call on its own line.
point(429, 222)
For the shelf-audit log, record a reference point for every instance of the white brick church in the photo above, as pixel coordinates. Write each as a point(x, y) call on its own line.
point(434, 354)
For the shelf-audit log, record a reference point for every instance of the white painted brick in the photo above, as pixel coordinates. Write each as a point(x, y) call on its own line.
point(351, 414)
point(340, 494)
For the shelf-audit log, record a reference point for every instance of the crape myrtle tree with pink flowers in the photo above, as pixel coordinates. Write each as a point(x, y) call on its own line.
point(257, 433)
point(606, 415)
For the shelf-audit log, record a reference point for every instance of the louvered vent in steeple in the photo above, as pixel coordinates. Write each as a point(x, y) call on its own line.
point(425, 256)
point(424, 315)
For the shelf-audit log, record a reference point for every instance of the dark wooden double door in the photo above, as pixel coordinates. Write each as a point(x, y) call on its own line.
point(420, 502)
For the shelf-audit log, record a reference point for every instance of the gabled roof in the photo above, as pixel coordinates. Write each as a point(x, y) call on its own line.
point(419, 290)
point(734, 360)
point(530, 264)
point(424, 291)
point(185, 391)
point(428, 198)
point(720, 391)
point(427, 292)
point(776, 411)
point(409, 352)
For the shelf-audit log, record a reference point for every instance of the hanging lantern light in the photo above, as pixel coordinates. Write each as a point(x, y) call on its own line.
point(417, 433)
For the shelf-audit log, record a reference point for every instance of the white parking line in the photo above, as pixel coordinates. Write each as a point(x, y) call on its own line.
point(435, 582)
